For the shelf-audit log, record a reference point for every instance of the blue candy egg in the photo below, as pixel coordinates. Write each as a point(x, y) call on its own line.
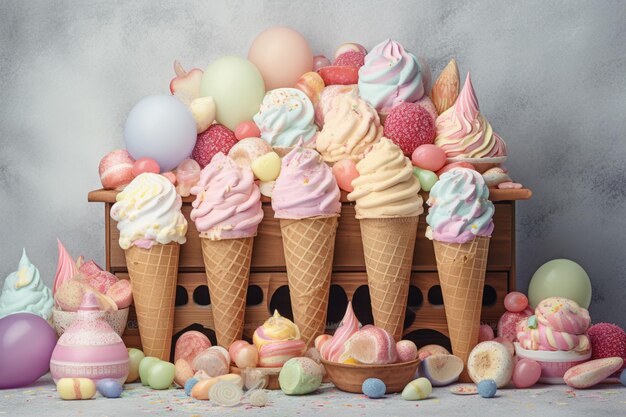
point(189, 385)
point(622, 377)
point(374, 388)
point(487, 388)
point(109, 388)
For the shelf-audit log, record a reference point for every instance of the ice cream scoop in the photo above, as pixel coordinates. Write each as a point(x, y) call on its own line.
point(386, 186)
point(24, 292)
point(306, 187)
point(148, 212)
point(459, 207)
point(228, 202)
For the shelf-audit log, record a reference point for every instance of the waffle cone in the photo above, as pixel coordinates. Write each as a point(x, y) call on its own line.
point(153, 273)
point(461, 268)
point(388, 245)
point(309, 246)
point(227, 264)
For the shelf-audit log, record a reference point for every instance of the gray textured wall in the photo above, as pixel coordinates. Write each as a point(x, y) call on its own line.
point(550, 76)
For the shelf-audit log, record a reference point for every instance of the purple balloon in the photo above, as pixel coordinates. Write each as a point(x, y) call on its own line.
point(26, 345)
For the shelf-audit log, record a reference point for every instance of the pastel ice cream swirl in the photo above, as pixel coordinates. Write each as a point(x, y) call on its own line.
point(462, 131)
point(386, 186)
point(24, 292)
point(460, 208)
point(277, 341)
point(390, 76)
point(306, 187)
point(351, 128)
point(286, 116)
point(333, 348)
point(148, 212)
point(228, 202)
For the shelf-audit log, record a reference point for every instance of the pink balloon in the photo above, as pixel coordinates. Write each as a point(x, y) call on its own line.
point(145, 165)
point(526, 373)
point(515, 302)
point(428, 156)
point(345, 171)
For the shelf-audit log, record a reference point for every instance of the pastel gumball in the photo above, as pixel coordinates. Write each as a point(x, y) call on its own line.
point(116, 169)
point(190, 344)
point(203, 112)
point(248, 150)
point(441, 369)
point(507, 324)
point(211, 362)
point(350, 59)
point(311, 84)
point(122, 293)
point(187, 175)
point(300, 376)
point(110, 388)
point(407, 351)
point(374, 388)
point(320, 61)
point(487, 388)
point(453, 165)
point(429, 156)
point(161, 375)
point(142, 165)
point(234, 348)
point(485, 333)
point(76, 388)
point(418, 389)
point(515, 302)
point(345, 172)
point(183, 373)
point(135, 357)
point(526, 373)
point(267, 167)
point(247, 129)
point(247, 357)
point(490, 360)
point(349, 46)
point(427, 178)
point(144, 367)
point(591, 373)
point(334, 75)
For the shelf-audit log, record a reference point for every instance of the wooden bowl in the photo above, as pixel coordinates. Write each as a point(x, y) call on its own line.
point(349, 378)
point(268, 375)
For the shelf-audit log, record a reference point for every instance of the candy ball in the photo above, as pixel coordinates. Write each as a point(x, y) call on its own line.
point(247, 357)
point(345, 172)
point(266, 167)
point(135, 357)
point(560, 278)
point(145, 165)
point(76, 388)
point(237, 87)
point(418, 389)
point(407, 351)
point(161, 375)
point(312, 85)
point(607, 340)
point(409, 126)
point(487, 388)
point(507, 324)
point(144, 367)
point(282, 55)
point(320, 61)
point(453, 165)
point(300, 376)
point(515, 302)
point(109, 388)
point(429, 156)
point(191, 382)
point(622, 377)
point(26, 345)
point(350, 59)
point(349, 47)
point(374, 388)
point(247, 129)
point(116, 169)
point(526, 373)
point(427, 178)
point(485, 333)
point(161, 128)
point(215, 139)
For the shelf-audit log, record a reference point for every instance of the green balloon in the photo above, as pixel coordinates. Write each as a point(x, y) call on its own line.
point(560, 278)
point(237, 88)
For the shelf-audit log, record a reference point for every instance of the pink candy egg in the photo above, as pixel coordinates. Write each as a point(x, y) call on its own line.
point(515, 302)
point(320, 61)
point(428, 156)
point(526, 373)
point(455, 165)
point(345, 172)
point(145, 165)
point(235, 347)
point(407, 351)
point(247, 129)
point(116, 169)
point(171, 177)
point(247, 357)
point(485, 333)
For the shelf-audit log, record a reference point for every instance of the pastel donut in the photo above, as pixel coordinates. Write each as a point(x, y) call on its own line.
point(563, 315)
point(247, 150)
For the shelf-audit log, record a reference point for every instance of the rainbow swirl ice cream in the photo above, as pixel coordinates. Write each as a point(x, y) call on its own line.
point(462, 131)
point(277, 341)
point(306, 187)
point(24, 292)
point(559, 324)
point(286, 116)
point(351, 128)
point(386, 186)
point(333, 348)
point(228, 202)
point(459, 207)
point(148, 212)
point(390, 76)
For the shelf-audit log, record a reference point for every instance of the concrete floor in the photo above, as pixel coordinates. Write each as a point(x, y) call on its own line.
point(41, 400)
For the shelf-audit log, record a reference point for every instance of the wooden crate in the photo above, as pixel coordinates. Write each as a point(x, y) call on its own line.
point(425, 320)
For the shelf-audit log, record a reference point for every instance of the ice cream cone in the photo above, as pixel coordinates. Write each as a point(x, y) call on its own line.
point(227, 264)
point(461, 269)
point(388, 248)
point(153, 273)
point(309, 245)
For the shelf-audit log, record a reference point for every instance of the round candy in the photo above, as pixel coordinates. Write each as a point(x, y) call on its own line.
point(345, 172)
point(110, 388)
point(116, 169)
point(407, 351)
point(507, 325)
point(135, 357)
point(515, 302)
point(76, 388)
point(622, 377)
point(428, 179)
point(247, 129)
point(429, 156)
point(161, 375)
point(350, 59)
point(312, 85)
point(300, 376)
point(374, 388)
point(142, 165)
point(282, 55)
point(485, 333)
point(349, 47)
point(526, 373)
point(191, 382)
point(161, 128)
point(320, 61)
point(418, 389)
point(409, 126)
point(487, 388)
point(237, 87)
point(607, 341)
point(215, 139)
point(266, 167)
point(560, 278)
point(144, 367)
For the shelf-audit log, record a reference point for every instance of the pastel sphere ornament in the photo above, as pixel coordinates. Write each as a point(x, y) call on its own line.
point(487, 388)
point(247, 129)
point(560, 278)
point(237, 88)
point(526, 373)
point(282, 55)
point(429, 156)
point(515, 302)
point(247, 357)
point(161, 128)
